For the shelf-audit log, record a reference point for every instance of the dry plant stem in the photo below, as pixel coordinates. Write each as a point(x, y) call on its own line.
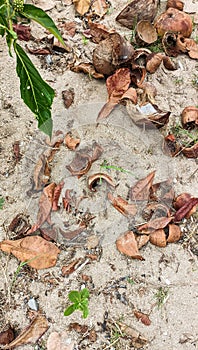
point(7, 283)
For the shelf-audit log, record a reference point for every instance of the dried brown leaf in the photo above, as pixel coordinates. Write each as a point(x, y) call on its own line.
point(141, 190)
point(60, 341)
point(155, 224)
point(191, 152)
point(130, 94)
point(99, 32)
point(72, 234)
point(70, 268)
point(185, 209)
point(7, 335)
point(144, 318)
point(69, 28)
point(32, 333)
point(181, 199)
point(82, 6)
point(142, 240)
point(117, 84)
point(23, 31)
point(192, 48)
point(39, 171)
point(95, 178)
point(137, 10)
point(89, 69)
point(80, 165)
point(56, 195)
point(36, 251)
point(68, 97)
point(127, 244)
point(39, 51)
point(71, 141)
point(170, 146)
point(122, 205)
point(99, 7)
point(138, 341)
point(158, 238)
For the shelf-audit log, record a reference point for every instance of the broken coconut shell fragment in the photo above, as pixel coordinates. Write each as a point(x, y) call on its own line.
point(191, 152)
point(181, 199)
point(145, 32)
point(153, 61)
point(174, 233)
point(174, 21)
point(177, 4)
point(158, 238)
point(111, 53)
point(170, 146)
point(189, 117)
point(127, 245)
point(136, 11)
point(97, 178)
point(152, 115)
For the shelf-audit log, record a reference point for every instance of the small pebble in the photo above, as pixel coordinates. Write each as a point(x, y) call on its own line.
point(33, 304)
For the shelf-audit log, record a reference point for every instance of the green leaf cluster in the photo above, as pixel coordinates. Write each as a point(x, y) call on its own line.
point(35, 92)
point(1, 202)
point(80, 302)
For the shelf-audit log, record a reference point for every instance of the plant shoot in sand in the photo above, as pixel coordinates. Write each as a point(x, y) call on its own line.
point(35, 92)
point(80, 302)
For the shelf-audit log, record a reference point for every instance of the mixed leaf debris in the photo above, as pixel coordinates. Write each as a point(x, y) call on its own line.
point(124, 66)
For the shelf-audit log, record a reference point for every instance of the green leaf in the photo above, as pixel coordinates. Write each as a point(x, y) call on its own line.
point(1, 202)
point(84, 293)
point(74, 296)
point(35, 92)
point(69, 310)
point(39, 16)
point(85, 312)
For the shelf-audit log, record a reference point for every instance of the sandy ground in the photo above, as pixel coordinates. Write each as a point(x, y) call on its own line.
point(117, 284)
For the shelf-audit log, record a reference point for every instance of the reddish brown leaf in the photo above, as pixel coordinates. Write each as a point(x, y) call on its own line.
point(68, 269)
point(82, 6)
point(130, 94)
point(141, 240)
point(122, 205)
point(185, 209)
point(99, 7)
point(36, 251)
point(181, 200)
point(78, 327)
point(67, 200)
point(98, 32)
point(95, 178)
point(158, 238)
point(127, 244)
point(43, 51)
point(144, 318)
point(7, 335)
point(68, 97)
point(87, 68)
point(49, 234)
point(117, 84)
point(71, 141)
point(16, 151)
point(170, 146)
point(174, 233)
point(56, 196)
point(155, 210)
point(60, 341)
point(69, 28)
point(155, 224)
point(162, 192)
point(23, 32)
point(72, 234)
point(191, 152)
point(32, 333)
point(141, 190)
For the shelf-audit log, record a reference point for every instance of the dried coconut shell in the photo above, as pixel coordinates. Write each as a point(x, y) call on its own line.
point(177, 4)
point(127, 245)
point(153, 62)
point(136, 11)
point(192, 48)
point(145, 32)
point(174, 21)
point(189, 117)
point(174, 233)
point(158, 238)
point(169, 64)
point(191, 152)
point(139, 58)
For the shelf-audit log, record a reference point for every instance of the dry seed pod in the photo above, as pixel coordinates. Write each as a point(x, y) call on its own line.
point(174, 233)
point(136, 11)
point(177, 4)
point(191, 152)
point(181, 200)
point(158, 238)
point(153, 61)
point(111, 53)
point(139, 58)
point(145, 32)
point(169, 64)
point(189, 117)
point(174, 21)
point(173, 44)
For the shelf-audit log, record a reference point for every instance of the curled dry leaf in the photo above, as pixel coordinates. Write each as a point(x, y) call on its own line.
point(122, 205)
point(68, 97)
point(154, 210)
point(87, 68)
point(144, 318)
point(99, 32)
point(158, 238)
point(191, 152)
point(70, 268)
point(170, 146)
point(181, 200)
point(192, 48)
point(153, 61)
point(56, 196)
point(117, 84)
point(127, 244)
point(7, 335)
point(174, 233)
point(189, 117)
point(138, 341)
point(32, 333)
point(23, 32)
point(152, 116)
point(99, 7)
point(69, 28)
point(162, 192)
point(82, 6)
point(41, 51)
point(174, 21)
point(141, 240)
point(49, 233)
point(185, 210)
point(147, 93)
point(136, 11)
point(39, 177)
point(36, 251)
point(72, 234)
point(153, 225)
point(95, 178)
point(141, 190)
point(111, 53)
point(177, 4)
point(71, 141)
point(145, 32)
point(60, 341)
point(130, 94)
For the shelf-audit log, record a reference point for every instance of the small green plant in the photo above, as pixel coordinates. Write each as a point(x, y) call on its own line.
point(105, 165)
point(186, 136)
point(84, 40)
point(35, 92)
point(2, 200)
point(179, 81)
point(195, 81)
point(130, 281)
point(23, 263)
point(80, 302)
point(156, 46)
point(161, 296)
